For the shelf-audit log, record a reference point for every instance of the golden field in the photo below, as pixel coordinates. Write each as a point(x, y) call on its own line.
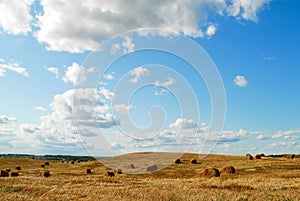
point(258, 179)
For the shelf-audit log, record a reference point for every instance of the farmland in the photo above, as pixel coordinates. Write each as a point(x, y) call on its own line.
point(259, 179)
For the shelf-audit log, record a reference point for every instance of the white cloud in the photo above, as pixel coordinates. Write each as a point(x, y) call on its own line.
point(128, 45)
point(41, 108)
point(75, 74)
point(12, 66)
point(138, 72)
point(106, 93)
point(54, 71)
point(58, 25)
point(170, 81)
point(246, 9)
point(15, 16)
point(5, 119)
point(122, 108)
point(211, 30)
point(184, 124)
point(240, 81)
point(108, 76)
point(280, 134)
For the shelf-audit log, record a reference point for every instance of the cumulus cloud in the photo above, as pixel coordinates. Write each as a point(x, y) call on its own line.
point(211, 30)
point(240, 81)
point(122, 108)
point(54, 71)
point(184, 124)
point(75, 74)
point(41, 108)
point(109, 76)
point(246, 9)
point(170, 81)
point(15, 16)
point(5, 119)
point(58, 24)
point(12, 66)
point(137, 73)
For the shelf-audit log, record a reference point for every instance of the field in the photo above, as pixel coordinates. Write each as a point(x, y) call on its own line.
point(258, 179)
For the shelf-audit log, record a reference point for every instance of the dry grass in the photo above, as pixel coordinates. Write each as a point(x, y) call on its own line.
point(265, 179)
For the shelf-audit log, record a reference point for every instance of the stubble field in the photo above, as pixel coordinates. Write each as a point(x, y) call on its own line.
point(258, 179)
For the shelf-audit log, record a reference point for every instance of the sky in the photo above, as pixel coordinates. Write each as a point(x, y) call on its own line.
point(113, 77)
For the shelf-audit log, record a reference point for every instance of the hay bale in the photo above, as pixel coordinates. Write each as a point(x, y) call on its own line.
point(88, 171)
point(211, 172)
point(257, 156)
point(78, 161)
point(131, 166)
point(62, 161)
point(18, 168)
point(193, 161)
point(13, 174)
point(262, 155)
point(7, 170)
point(45, 173)
point(229, 170)
point(177, 161)
point(42, 166)
point(109, 174)
point(152, 168)
point(289, 156)
point(47, 163)
point(4, 173)
point(249, 157)
point(72, 162)
point(297, 156)
point(119, 171)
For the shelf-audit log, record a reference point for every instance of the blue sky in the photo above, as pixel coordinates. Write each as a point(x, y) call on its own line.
point(148, 100)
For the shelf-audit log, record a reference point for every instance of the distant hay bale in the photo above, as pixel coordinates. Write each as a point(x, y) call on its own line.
point(289, 156)
point(119, 171)
point(14, 174)
point(47, 163)
point(297, 156)
point(109, 174)
point(257, 156)
point(45, 173)
point(262, 155)
point(131, 166)
point(177, 161)
point(78, 161)
point(193, 161)
point(88, 171)
point(72, 162)
point(211, 172)
point(229, 170)
point(18, 168)
point(249, 157)
point(62, 161)
point(4, 173)
point(152, 168)
point(42, 166)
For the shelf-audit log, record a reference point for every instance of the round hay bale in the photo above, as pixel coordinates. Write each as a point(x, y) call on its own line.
point(88, 171)
point(47, 163)
point(229, 170)
point(42, 166)
point(72, 162)
point(193, 161)
point(62, 161)
point(18, 168)
point(177, 161)
point(152, 168)
point(211, 172)
point(109, 174)
point(131, 166)
point(45, 173)
point(257, 156)
point(4, 173)
point(289, 156)
point(13, 174)
point(249, 157)
point(262, 155)
point(297, 156)
point(78, 161)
